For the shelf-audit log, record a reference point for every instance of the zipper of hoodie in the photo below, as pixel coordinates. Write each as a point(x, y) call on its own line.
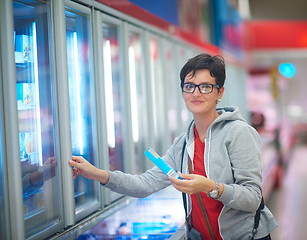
point(207, 149)
point(207, 156)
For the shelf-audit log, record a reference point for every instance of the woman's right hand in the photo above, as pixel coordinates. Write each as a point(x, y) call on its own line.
point(86, 169)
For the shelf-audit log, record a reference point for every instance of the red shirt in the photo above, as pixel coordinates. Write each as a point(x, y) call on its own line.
point(212, 206)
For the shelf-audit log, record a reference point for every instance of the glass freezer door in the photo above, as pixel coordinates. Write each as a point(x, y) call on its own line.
point(185, 116)
point(114, 85)
point(81, 100)
point(35, 115)
point(157, 88)
point(173, 89)
point(2, 195)
point(138, 98)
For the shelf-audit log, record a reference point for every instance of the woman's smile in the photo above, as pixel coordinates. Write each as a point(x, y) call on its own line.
point(197, 102)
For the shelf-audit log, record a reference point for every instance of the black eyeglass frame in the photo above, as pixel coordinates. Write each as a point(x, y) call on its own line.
point(198, 86)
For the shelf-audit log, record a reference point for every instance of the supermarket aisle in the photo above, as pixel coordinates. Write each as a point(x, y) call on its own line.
point(288, 204)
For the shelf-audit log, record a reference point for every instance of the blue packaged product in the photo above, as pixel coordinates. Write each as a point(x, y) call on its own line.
point(160, 163)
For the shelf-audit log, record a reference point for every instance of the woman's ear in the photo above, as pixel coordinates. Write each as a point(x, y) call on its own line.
point(221, 92)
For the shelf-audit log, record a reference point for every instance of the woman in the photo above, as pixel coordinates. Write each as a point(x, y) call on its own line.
point(219, 155)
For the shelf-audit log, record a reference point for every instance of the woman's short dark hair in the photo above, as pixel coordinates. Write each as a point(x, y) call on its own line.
point(215, 65)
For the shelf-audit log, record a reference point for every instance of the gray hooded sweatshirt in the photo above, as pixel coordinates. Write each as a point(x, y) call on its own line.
point(232, 157)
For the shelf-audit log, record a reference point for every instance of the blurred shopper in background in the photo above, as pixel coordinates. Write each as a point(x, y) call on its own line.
point(218, 159)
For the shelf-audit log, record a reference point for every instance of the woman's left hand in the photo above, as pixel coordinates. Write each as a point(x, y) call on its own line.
point(192, 183)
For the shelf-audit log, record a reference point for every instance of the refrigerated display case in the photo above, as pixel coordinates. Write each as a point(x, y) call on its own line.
point(81, 100)
point(184, 114)
point(157, 88)
point(114, 94)
point(35, 107)
point(157, 216)
point(138, 102)
point(3, 214)
point(172, 85)
point(2, 221)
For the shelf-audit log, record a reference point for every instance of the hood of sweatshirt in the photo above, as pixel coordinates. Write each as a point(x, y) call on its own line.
point(225, 114)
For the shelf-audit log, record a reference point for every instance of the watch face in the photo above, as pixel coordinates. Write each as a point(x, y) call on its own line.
point(213, 193)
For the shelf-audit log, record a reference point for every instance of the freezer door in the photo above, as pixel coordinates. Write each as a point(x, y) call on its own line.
point(138, 97)
point(36, 115)
point(81, 102)
point(157, 87)
point(2, 227)
point(2, 189)
point(114, 94)
point(171, 89)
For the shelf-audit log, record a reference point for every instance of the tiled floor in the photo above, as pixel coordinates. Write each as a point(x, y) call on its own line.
point(289, 203)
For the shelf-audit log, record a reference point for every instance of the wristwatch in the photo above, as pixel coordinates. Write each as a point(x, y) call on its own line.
point(215, 192)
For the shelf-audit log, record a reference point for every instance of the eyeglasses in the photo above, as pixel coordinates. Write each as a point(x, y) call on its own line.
point(203, 88)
